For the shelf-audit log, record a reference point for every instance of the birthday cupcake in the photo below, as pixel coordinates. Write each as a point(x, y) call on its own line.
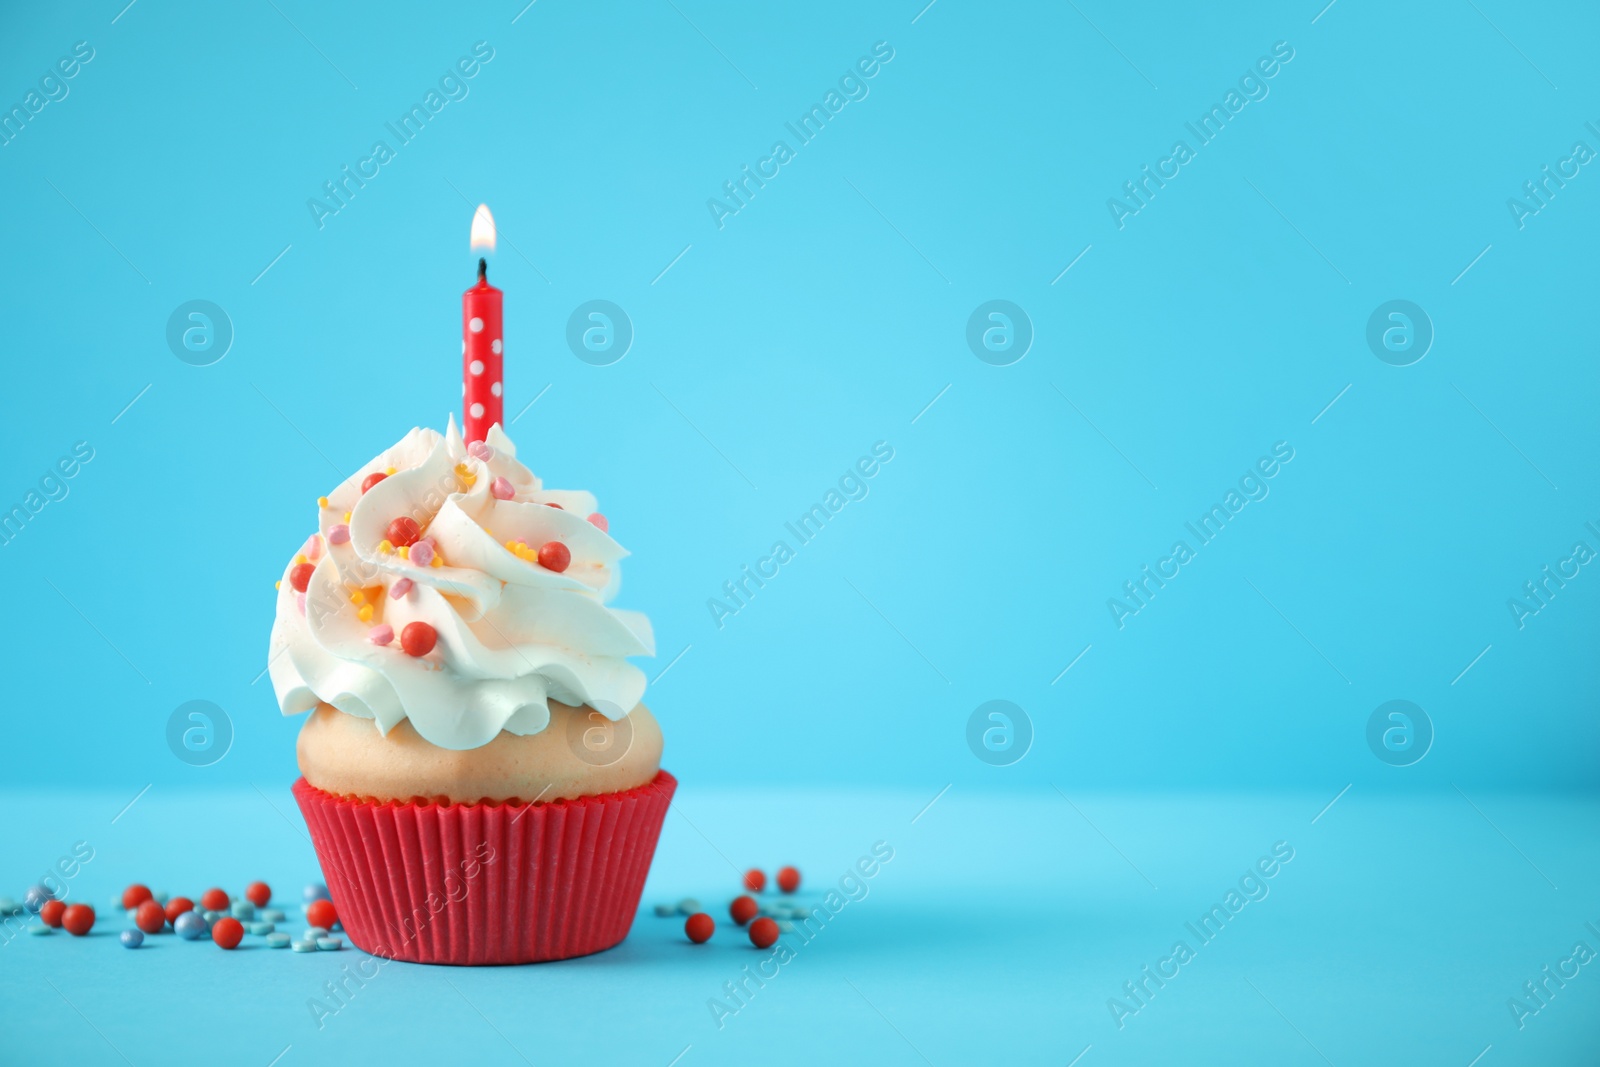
point(481, 781)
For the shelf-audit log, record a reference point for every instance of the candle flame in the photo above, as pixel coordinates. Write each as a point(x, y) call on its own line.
point(482, 229)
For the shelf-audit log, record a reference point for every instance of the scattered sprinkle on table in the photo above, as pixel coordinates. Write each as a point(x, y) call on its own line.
point(699, 928)
point(191, 926)
point(227, 933)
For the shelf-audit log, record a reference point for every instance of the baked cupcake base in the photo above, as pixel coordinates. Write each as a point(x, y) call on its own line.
point(473, 884)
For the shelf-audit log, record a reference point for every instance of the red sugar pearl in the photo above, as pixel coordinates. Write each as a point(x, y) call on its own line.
point(259, 894)
point(214, 900)
point(754, 880)
point(321, 913)
point(699, 927)
point(299, 578)
point(600, 522)
point(227, 933)
point(177, 906)
point(135, 895)
point(788, 879)
point(763, 933)
point(554, 556)
point(51, 913)
point(743, 909)
point(403, 532)
point(151, 917)
point(418, 639)
point(372, 479)
point(78, 919)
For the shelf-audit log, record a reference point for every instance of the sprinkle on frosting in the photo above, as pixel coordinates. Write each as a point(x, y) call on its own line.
point(515, 619)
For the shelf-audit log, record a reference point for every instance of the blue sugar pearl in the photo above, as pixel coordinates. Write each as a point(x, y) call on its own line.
point(688, 906)
point(191, 926)
point(329, 944)
point(243, 909)
point(277, 940)
point(305, 946)
point(314, 932)
point(316, 891)
point(273, 915)
point(40, 930)
point(212, 916)
point(132, 938)
point(35, 897)
point(11, 907)
point(259, 929)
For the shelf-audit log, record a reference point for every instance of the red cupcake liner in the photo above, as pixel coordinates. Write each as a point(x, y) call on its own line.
point(472, 884)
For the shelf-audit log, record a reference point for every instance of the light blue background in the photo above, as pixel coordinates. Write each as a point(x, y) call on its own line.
point(825, 316)
point(806, 330)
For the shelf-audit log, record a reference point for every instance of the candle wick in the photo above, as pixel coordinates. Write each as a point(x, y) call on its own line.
point(483, 269)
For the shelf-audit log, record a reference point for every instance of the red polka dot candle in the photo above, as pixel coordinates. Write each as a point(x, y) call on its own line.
point(481, 340)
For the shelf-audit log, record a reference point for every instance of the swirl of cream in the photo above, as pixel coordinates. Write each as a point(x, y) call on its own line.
point(512, 635)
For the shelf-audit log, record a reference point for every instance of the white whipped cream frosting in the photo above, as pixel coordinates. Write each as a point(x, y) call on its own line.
point(512, 635)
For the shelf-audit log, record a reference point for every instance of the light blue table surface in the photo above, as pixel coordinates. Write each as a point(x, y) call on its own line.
point(997, 934)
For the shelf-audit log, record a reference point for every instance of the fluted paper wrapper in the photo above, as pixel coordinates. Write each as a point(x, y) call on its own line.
point(486, 883)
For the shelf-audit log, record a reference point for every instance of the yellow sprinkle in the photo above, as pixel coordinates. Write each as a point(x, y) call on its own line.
point(347, 516)
point(388, 470)
point(365, 614)
point(384, 547)
point(322, 501)
point(299, 558)
point(405, 551)
point(358, 597)
point(437, 562)
point(277, 585)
